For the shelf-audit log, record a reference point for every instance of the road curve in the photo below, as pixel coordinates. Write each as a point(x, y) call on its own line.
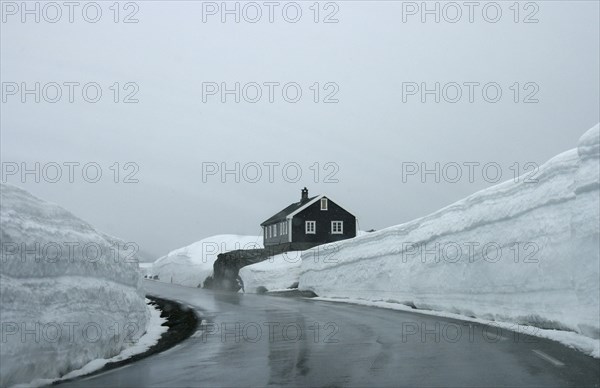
point(251, 340)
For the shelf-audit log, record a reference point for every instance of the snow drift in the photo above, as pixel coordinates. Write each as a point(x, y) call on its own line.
point(517, 252)
point(145, 268)
point(276, 273)
point(69, 294)
point(191, 265)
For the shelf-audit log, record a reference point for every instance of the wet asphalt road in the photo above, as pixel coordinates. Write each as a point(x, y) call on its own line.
point(256, 340)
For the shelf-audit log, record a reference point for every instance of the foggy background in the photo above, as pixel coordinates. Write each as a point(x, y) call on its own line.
point(368, 134)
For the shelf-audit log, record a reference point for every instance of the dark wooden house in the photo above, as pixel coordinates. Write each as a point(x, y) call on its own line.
point(307, 223)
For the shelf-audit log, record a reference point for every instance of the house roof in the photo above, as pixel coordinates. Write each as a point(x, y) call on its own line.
point(292, 210)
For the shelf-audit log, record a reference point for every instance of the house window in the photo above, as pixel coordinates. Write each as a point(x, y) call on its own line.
point(310, 227)
point(323, 203)
point(337, 227)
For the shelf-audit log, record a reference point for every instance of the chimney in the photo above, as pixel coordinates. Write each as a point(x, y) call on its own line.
point(304, 195)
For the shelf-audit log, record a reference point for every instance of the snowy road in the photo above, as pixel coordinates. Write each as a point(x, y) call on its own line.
point(250, 340)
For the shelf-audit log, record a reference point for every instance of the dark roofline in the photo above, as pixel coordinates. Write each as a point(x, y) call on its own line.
point(282, 215)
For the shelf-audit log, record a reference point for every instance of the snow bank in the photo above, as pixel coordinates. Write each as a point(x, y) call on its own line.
point(517, 252)
point(145, 268)
point(68, 293)
point(191, 265)
point(154, 332)
point(276, 273)
point(279, 272)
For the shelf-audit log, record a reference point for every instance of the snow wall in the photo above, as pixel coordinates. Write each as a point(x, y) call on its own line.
point(519, 252)
point(276, 273)
point(68, 293)
point(192, 264)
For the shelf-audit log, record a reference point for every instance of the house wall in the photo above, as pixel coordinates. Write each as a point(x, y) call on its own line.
point(279, 238)
point(323, 220)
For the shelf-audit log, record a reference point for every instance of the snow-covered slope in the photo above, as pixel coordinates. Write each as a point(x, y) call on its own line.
point(145, 268)
point(276, 273)
point(68, 293)
point(517, 252)
point(191, 265)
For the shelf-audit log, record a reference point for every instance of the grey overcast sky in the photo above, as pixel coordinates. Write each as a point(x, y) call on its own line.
point(372, 60)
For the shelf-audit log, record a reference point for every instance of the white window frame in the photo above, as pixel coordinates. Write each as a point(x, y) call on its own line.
point(341, 224)
point(309, 230)
point(326, 202)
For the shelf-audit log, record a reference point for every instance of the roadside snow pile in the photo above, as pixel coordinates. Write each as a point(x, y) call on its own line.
point(519, 252)
point(279, 272)
point(276, 273)
point(191, 265)
point(150, 338)
point(68, 293)
point(145, 268)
